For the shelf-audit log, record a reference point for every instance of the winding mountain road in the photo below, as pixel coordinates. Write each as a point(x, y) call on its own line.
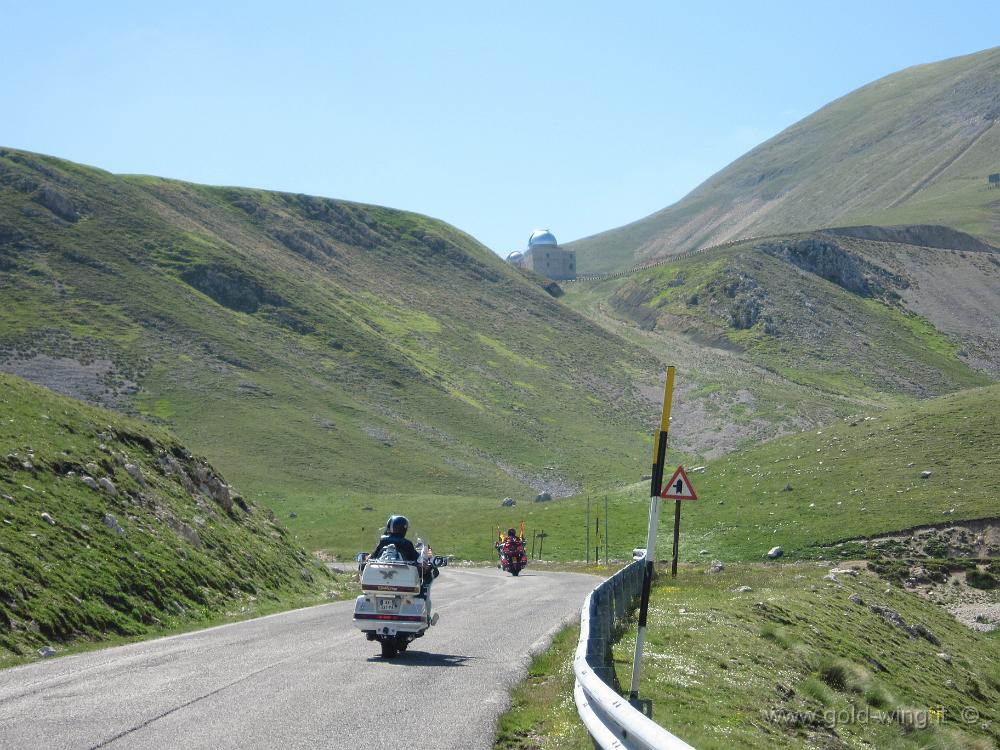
point(301, 679)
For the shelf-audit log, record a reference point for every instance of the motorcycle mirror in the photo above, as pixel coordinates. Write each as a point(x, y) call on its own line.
point(440, 561)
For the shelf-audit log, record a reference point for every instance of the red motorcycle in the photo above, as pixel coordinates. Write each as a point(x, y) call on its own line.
point(511, 551)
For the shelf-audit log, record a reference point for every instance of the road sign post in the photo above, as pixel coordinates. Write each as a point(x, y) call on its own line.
point(656, 480)
point(678, 488)
point(605, 529)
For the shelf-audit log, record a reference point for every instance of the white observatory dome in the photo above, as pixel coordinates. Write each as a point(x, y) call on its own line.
point(515, 256)
point(541, 237)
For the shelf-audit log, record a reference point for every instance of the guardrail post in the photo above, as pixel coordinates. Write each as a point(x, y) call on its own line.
point(612, 722)
point(600, 634)
point(621, 612)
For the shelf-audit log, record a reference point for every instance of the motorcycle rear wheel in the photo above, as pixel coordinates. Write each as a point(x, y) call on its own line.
point(389, 649)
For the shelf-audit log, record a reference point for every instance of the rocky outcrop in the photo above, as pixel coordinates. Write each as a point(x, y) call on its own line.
point(57, 202)
point(199, 479)
point(749, 303)
point(828, 260)
point(304, 243)
point(231, 288)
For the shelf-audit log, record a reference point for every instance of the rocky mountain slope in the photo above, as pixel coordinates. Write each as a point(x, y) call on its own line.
point(915, 147)
point(777, 335)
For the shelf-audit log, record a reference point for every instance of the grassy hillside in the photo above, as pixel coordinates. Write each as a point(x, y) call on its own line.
point(111, 528)
point(859, 477)
point(914, 147)
point(314, 349)
point(855, 477)
point(794, 662)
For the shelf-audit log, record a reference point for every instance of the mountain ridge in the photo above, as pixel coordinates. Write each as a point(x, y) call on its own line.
point(909, 148)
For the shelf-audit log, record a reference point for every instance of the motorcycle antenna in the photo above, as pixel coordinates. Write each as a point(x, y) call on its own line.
point(520, 532)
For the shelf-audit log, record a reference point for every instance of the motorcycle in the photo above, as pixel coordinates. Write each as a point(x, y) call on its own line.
point(395, 605)
point(511, 551)
point(513, 562)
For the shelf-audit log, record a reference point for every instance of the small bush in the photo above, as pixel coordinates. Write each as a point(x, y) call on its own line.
point(816, 690)
point(878, 697)
point(777, 634)
point(891, 570)
point(981, 580)
point(936, 548)
point(845, 675)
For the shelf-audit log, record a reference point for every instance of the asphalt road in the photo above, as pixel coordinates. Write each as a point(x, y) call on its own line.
point(302, 679)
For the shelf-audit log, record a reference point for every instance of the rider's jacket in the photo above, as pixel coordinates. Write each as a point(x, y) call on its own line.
point(512, 546)
point(404, 547)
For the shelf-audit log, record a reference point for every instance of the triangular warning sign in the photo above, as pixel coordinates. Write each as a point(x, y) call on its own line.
point(679, 487)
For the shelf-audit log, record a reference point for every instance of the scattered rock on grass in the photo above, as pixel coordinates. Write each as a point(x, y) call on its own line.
point(844, 572)
point(48, 519)
point(918, 630)
point(112, 523)
point(856, 599)
point(775, 552)
point(716, 566)
point(136, 473)
point(743, 589)
point(46, 651)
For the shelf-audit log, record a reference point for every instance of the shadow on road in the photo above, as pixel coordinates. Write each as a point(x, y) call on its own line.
point(423, 659)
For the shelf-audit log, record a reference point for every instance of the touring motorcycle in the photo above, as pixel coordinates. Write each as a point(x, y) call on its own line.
point(511, 550)
point(395, 604)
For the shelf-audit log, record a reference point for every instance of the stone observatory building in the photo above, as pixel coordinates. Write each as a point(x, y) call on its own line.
point(544, 256)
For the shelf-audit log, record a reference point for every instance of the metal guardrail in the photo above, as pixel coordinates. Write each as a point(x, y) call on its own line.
point(611, 720)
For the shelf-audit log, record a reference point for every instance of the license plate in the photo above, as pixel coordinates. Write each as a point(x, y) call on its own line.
point(387, 605)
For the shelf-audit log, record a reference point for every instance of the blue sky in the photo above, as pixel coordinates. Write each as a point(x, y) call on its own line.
point(496, 117)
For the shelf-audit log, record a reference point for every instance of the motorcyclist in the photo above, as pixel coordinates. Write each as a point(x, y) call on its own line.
point(395, 533)
point(512, 547)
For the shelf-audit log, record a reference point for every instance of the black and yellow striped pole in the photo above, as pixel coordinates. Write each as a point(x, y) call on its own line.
point(659, 456)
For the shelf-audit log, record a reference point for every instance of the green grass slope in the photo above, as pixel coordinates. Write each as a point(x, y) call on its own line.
point(111, 529)
point(914, 147)
point(794, 662)
point(859, 476)
point(318, 351)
